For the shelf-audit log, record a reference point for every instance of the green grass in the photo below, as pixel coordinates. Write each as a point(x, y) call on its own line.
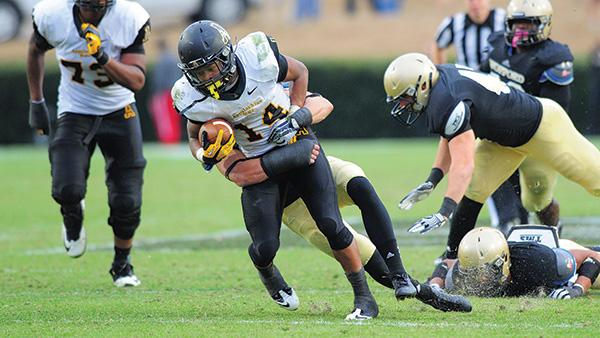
point(197, 278)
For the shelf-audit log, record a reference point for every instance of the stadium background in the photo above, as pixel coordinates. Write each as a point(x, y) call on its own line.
point(191, 248)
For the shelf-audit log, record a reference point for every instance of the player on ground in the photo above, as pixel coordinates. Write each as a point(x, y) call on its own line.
point(242, 85)
point(460, 105)
point(99, 47)
point(489, 266)
point(527, 59)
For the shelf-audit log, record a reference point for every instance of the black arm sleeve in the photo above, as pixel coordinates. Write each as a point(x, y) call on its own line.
point(40, 42)
point(281, 61)
point(560, 94)
point(137, 47)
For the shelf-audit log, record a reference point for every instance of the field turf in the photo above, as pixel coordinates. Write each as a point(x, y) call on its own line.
point(197, 279)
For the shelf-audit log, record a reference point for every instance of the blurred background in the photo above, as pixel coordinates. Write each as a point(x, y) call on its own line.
point(346, 44)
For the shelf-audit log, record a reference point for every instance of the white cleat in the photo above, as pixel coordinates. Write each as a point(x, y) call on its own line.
point(358, 314)
point(287, 299)
point(75, 248)
point(124, 276)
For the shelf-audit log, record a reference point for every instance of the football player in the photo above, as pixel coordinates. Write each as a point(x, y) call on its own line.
point(353, 188)
point(489, 266)
point(100, 50)
point(243, 86)
point(460, 105)
point(527, 59)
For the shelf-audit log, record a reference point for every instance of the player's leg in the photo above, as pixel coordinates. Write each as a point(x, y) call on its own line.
point(353, 185)
point(318, 191)
point(558, 143)
point(538, 181)
point(493, 165)
point(120, 139)
point(261, 206)
point(70, 160)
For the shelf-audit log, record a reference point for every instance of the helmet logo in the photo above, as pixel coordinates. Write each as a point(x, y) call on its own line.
point(224, 36)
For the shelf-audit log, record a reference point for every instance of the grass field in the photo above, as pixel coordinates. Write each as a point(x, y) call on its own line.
point(197, 279)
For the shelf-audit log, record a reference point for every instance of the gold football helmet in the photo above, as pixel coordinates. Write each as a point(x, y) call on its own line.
point(483, 266)
point(535, 12)
point(407, 82)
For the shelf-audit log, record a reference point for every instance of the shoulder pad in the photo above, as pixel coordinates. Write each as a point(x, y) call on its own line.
point(46, 15)
point(560, 74)
point(127, 18)
point(258, 58)
point(551, 53)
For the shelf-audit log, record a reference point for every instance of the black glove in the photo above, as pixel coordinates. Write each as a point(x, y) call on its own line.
point(39, 117)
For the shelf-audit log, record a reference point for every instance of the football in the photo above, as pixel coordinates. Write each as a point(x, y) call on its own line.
point(212, 127)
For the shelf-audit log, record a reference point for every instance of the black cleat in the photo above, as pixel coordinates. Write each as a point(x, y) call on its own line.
point(122, 275)
point(365, 308)
point(403, 287)
point(441, 300)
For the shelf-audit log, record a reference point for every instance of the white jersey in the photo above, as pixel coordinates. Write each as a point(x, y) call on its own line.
point(84, 86)
point(260, 105)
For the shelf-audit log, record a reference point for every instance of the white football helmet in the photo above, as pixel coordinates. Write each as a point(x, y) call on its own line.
point(407, 82)
point(536, 12)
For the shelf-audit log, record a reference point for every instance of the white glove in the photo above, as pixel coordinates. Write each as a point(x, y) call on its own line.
point(418, 194)
point(567, 292)
point(429, 223)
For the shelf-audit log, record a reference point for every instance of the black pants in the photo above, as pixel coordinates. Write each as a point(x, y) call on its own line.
point(263, 205)
point(119, 137)
point(507, 205)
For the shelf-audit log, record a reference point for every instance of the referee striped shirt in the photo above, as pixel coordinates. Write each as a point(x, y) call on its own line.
point(469, 38)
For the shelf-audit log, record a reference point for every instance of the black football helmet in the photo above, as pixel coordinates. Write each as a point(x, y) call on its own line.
point(94, 5)
point(205, 46)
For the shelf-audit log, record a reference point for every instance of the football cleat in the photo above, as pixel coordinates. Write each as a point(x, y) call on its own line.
point(75, 247)
point(365, 308)
point(403, 287)
point(439, 299)
point(287, 299)
point(123, 275)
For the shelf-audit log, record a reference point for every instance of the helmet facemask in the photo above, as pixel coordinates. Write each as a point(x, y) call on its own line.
point(94, 5)
point(488, 280)
point(516, 37)
point(409, 105)
point(223, 63)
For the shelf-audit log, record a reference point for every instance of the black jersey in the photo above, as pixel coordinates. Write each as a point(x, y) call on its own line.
point(463, 99)
point(530, 69)
point(533, 270)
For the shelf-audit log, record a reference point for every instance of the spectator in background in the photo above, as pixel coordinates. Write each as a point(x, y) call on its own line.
point(167, 122)
point(468, 32)
point(307, 9)
point(593, 12)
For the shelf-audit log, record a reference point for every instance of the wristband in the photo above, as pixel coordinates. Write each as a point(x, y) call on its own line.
point(590, 269)
point(102, 58)
point(448, 207)
point(38, 101)
point(301, 118)
point(435, 176)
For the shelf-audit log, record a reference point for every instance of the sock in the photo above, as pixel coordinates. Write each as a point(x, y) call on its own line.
point(463, 221)
point(73, 220)
point(377, 269)
point(377, 222)
point(121, 256)
point(359, 284)
point(271, 278)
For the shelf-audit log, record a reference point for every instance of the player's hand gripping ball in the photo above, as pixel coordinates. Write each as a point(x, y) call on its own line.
point(217, 140)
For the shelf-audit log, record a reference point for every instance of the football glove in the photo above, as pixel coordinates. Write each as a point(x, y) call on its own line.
point(94, 43)
point(418, 194)
point(283, 132)
point(215, 152)
point(38, 117)
point(429, 223)
point(567, 292)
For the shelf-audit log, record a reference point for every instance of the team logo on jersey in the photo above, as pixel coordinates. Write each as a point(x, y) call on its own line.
point(507, 72)
point(456, 119)
point(128, 112)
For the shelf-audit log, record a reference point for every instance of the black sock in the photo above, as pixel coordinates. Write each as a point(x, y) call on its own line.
point(463, 221)
point(271, 278)
point(72, 219)
point(121, 255)
point(377, 222)
point(377, 269)
point(358, 280)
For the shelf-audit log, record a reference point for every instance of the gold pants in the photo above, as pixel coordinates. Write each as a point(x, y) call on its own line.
point(297, 218)
point(555, 147)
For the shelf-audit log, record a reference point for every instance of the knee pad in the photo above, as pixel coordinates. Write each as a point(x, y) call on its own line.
point(124, 216)
point(69, 194)
point(338, 236)
point(263, 253)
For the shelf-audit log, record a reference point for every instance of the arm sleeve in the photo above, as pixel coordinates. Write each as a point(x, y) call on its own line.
point(281, 61)
point(560, 94)
point(137, 47)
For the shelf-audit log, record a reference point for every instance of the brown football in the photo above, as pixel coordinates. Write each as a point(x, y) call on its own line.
point(212, 127)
